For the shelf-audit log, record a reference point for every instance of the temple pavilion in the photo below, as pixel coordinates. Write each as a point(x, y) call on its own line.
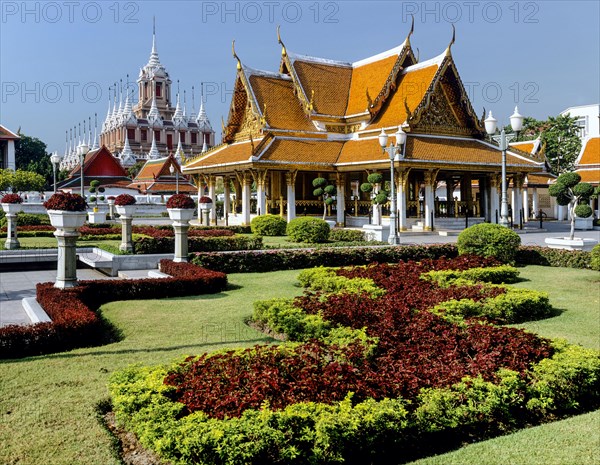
point(320, 117)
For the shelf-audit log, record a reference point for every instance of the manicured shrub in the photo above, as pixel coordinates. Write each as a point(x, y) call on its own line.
point(346, 235)
point(495, 275)
point(595, 258)
point(489, 240)
point(181, 201)
point(124, 199)
point(308, 229)
point(152, 245)
point(272, 260)
point(11, 198)
point(268, 225)
point(327, 280)
point(545, 256)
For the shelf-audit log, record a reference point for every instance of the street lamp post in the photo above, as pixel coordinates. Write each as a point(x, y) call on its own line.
point(491, 125)
point(55, 160)
point(82, 151)
point(172, 170)
point(395, 153)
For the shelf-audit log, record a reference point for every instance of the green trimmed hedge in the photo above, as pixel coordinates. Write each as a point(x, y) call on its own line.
point(292, 259)
point(346, 235)
point(515, 306)
point(326, 280)
point(545, 256)
point(489, 240)
point(151, 245)
point(504, 274)
point(595, 258)
point(384, 432)
point(308, 229)
point(268, 225)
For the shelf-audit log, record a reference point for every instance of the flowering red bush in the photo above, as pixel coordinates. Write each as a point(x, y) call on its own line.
point(73, 311)
point(416, 348)
point(181, 201)
point(192, 232)
point(125, 199)
point(11, 198)
point(66, 201)
point(205, 199)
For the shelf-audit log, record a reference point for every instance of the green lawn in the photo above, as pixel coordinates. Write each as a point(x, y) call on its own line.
point(50, 243)
point(47, 404)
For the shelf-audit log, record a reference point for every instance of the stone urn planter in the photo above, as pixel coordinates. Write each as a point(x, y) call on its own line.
point(11, 204)
point(125, 206)
point(67, 214)
point(181, 210)
point(111, 206)
point(204, 205)
point(584, 224)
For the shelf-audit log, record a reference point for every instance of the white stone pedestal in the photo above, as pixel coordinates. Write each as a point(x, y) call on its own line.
point(66, 272)
point(181, 223)
point(375, 232)
point(126, 234)
point(576, 243)
point(584, 224)
point(11, 232)
point(97, 217)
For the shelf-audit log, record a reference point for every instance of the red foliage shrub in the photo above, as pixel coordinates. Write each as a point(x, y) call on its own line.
point(66, 201)
point(181, 201)
point(416, 348)
point(11, 198)
point(74, 320)
point(192, 232)
point(125, 199)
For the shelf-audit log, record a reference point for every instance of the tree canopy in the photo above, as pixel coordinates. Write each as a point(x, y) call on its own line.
point(31, 155)
point(20, 181)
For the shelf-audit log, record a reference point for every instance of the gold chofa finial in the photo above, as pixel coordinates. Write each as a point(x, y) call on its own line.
point(448, 51)
point(412, 29)
point(283, 50)
point(239, 63)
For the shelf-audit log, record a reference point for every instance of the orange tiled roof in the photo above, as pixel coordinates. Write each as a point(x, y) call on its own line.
point(7, 134)
point(231, 153)
point(433, 149)
point(591, 152)
point(525, 146)
point(368, 78)
point(590, 175)
point(413, 86)
point(149, 187)
point(330, 83)
point(302, 151)
point(152, 169)
point(284, 111)
point(540, 178)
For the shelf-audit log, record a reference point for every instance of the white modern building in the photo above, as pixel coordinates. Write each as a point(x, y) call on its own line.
point(588, 119)
point(7, 148)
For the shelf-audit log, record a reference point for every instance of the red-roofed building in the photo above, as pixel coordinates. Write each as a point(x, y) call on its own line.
point(156, 178)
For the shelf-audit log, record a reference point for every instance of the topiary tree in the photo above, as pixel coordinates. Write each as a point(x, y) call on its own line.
point(268, 225)
point(308, 229)
point(489, 240)
point(95, 188)
point(568, 190)
point(326, 191)
point(374, 187)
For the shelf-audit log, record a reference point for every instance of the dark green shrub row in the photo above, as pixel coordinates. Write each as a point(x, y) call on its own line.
point(308, 229)
point(346, 235)
point(268, 225)
point(151, 245)
point(26, 219)
point(595, 258)
point(384, 432)
point(515, 306)
point(495, 275)
point(545, 256)
point(273, 260)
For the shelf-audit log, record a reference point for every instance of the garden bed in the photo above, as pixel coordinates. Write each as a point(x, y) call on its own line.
point(380, 379)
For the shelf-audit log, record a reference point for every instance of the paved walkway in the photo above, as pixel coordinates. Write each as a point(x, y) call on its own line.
point(14, 286)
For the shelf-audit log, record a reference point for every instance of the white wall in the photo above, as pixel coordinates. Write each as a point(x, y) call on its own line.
point(589, 115)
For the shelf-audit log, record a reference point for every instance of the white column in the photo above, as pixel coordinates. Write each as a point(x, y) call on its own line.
point(340, 200)
point(227, 194)
point(213, 205)
point(429, 198)
point(246, 199)
point(261, 192)
point(525, 205)
point(200, 194)
point(561, 213)
point(513, 203)
point(10, 156)
point(536, 203)
point(290, 178)
point(401, 199)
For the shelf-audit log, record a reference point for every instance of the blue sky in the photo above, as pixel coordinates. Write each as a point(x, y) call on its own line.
point(57, 59)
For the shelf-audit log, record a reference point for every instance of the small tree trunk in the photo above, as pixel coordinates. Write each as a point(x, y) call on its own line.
point(572, 213)
point(324, 209)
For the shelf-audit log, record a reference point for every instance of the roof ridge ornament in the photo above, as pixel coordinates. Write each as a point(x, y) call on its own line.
point(448, 49)
point(239, 62)
point(412, 29)
point(283, 49)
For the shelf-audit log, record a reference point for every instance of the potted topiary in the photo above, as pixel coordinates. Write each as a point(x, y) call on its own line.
point(110, 200)
point(96, 216)
point(378, 195)
point(568, 190)
point(181, 207)
point(327, 192)
point(66, 210)
point(11, 204)
point(125, 205)
point(205, 203)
